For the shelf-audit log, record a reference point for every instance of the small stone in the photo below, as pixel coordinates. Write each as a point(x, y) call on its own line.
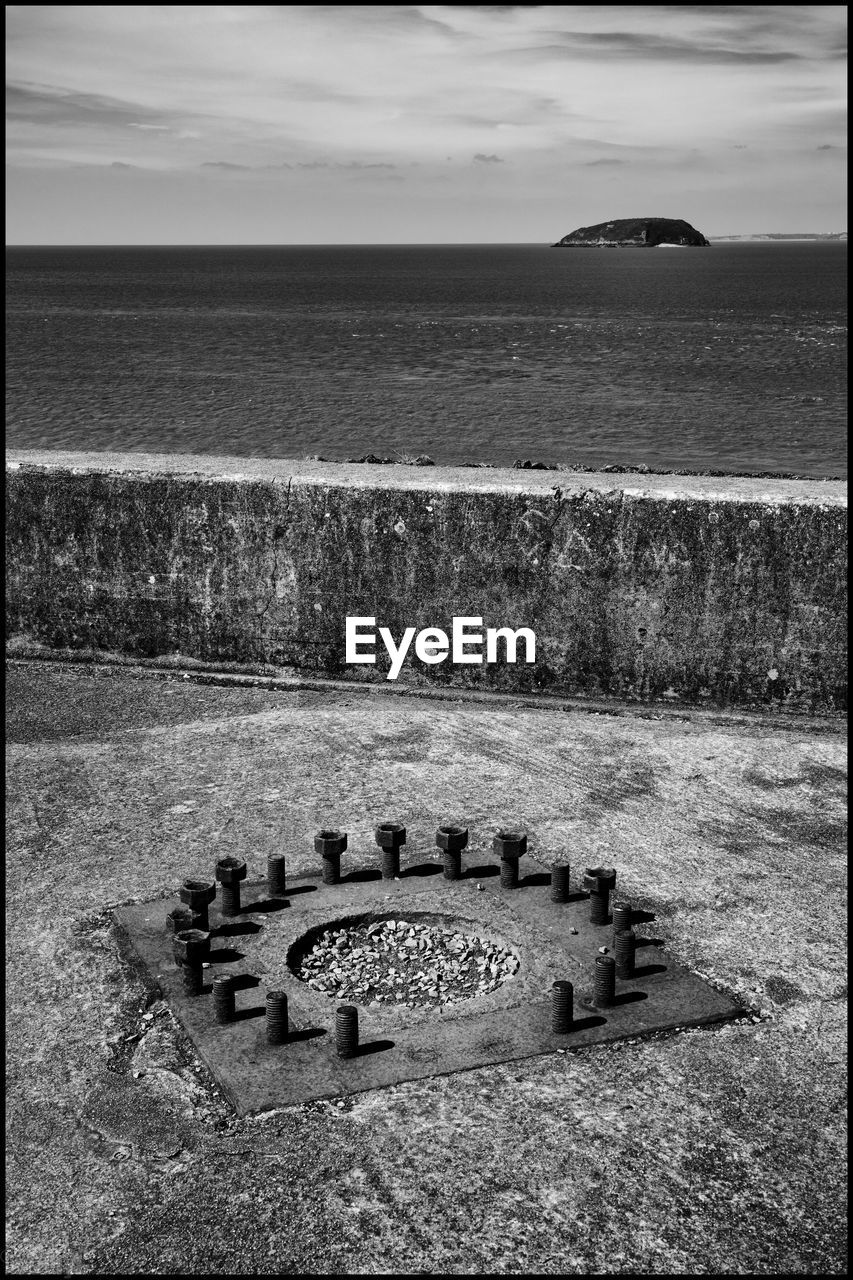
point(603, 951)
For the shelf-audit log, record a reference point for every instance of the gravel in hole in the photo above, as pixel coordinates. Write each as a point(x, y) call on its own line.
point(395, 962)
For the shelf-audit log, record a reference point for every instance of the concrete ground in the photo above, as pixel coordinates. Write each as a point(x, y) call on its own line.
point(703, 1152)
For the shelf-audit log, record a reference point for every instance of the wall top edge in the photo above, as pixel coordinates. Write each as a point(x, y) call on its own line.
point(434, 479)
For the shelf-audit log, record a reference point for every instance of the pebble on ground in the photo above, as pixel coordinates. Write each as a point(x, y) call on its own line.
point(399, 963)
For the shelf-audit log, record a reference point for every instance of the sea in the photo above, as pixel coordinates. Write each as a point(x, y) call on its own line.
point(727, 359)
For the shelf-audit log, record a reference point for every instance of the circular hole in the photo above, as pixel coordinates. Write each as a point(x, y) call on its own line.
point(416, 962)
point(510, 835)
point(452, 831)
point(228, 862)
point(196, 884)
point(330, 835)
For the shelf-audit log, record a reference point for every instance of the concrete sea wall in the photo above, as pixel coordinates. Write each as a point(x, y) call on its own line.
point(697, 590)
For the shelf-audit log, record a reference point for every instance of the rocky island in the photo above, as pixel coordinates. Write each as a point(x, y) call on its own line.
point(633, 232)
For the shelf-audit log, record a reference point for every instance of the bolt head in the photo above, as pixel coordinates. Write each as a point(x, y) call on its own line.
point(197, 893)
point(330, 843)
point(390, 835)
point(510, 844)
point(230, 871)
point(451, 839)
point(599, 879)
point(180, 918)
point(191, 946)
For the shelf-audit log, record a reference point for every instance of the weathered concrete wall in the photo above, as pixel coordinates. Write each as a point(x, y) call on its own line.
point(649, 587)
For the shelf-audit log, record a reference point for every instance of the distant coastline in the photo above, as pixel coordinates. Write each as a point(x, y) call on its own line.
point(786, 235)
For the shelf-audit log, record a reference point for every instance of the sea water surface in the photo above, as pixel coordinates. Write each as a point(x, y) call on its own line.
point(730, 358)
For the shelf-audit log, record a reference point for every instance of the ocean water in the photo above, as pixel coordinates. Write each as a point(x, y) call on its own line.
point(731, 358)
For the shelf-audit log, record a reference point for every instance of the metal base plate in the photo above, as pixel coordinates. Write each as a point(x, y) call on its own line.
point(399, 1043)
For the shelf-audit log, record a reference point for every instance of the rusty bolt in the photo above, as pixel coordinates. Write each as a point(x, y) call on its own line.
point(330, 844)
point(560, 882)
point(229, 873)
point(600, 881)
point(346, 1030)
point(509, 873)
point(452, 839)
point(276, 875)
point(390, 835)
point(452, 864)
point(390, 864)
point(605, 982)
point(197, 894)
point(224, 1003)
point(277, 1017)
point(622, 915)
point(625, 948)
point(230, 870)
point(178, 919)
point(191, 947)
point(510, 845)
point(562, 1011)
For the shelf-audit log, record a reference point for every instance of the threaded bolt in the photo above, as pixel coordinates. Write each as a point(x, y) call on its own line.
point(346, 1030)
point(599, 908)
point(191, 948)
point(277, 1022)
point(331, 868)
point(622, 915)
point(509, 873)
point(179, 919)
point(229, 873)
point(192, 976)
point(605, 981)
point(560, 883)
point(276, 879)
point(197, 895)
point(626, 945)
point(600, 881)
point(562, 1007)
point(330, 845)
point(452, 864)
point(224, 1002)
point(390, 836)
point(390, 864)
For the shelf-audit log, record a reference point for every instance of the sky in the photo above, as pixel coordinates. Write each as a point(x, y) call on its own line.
point(398, 124)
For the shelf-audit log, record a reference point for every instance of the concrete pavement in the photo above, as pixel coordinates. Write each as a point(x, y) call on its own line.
point(706, 1152)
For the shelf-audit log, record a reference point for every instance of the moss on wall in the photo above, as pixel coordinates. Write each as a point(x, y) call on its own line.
point(632, 595)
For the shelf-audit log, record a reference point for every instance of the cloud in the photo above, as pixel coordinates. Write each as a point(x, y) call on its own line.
point(357, 95)
point(53, 106)
point(612, 45)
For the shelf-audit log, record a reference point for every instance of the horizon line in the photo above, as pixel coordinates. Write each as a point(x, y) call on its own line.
point(369, 244)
